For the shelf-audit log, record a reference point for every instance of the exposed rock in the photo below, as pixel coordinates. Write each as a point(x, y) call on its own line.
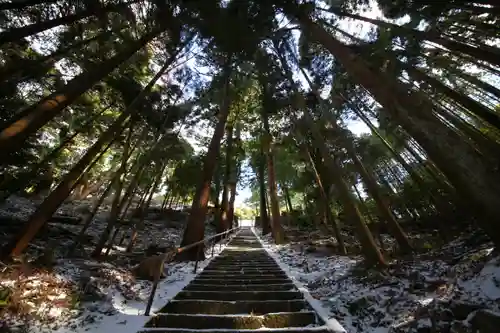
point(462, 310)
point(150, 268)
point(485, 321)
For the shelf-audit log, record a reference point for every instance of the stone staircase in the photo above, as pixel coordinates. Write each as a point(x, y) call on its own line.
point(241, 289)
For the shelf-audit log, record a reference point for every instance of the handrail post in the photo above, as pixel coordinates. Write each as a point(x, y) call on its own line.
point(197, 258)
point(151, 297)
point(201, 246)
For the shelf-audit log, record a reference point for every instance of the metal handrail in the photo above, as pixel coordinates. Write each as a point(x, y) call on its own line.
point(171, 254)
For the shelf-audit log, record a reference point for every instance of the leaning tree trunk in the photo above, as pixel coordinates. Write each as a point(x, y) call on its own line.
point(15, 34)
point(145, 206)
point(54, 200)
point(371, 184)
point(25, 69)
point(116, 199)
point(12, 185)
point(471, 175)
point(473, 106)
point(326, 199)
point(21, 4)
point(127, 197)
point(370, 250)
point(484, 52)
point(60, 193)
point(16, 130)
point(374, 190)
point(89, 217)
point(195, 229)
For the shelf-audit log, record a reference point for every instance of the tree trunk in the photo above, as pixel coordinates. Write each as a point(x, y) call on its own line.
point(16, 131)
point(20, 4)
point(147, 203)
point(15, 34)
point(164, 202)
point(13, 185)
point(264, 217)
point(488, 54)
point(287, 197)
point(234, 178)
point(113, 215)
point(195, 229)
point(31, 68)
point(88, 219)
point(474, 107)
point(374, 190)
point(326, 199)
point(276, 227)
point(61, 192)
point(224, 211)
point(473, 178)
point(370, 250)
point(369, 247)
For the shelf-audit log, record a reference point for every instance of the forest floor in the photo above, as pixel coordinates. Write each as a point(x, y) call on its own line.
point(79, 294)
point(455, 288)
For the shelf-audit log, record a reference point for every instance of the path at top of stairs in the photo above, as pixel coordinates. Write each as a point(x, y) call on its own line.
point(241, 289)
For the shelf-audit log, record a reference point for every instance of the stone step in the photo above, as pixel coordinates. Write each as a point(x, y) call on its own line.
point(239, 295)
point(231, 307)
point(246, 276)
point(253, 271)
point(318, 329)
point(229, 267)
point(271, 320)
point(243, 263)
point(225, 281)
point(240, 287)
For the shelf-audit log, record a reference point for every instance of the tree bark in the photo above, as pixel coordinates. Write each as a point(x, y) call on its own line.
point(287, 197)
point(12, 185)
point(20, 4)
point(224, 211)
point(487, 54)
point(145, 205)
point(325, 197)
point(264, 217)
point(276, 227)
point(61, 192)
point(473, 178)
point(370, 250)
point(374, 190)
point(369, 247)
point(28, 121)
point(15, 34)
point(113, 215)
point(195, 229)
point(30, 68)
point(88, 219)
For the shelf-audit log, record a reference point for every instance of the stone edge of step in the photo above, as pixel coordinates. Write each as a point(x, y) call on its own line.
point(231, 315)
point(332, 323)
point(321, 328)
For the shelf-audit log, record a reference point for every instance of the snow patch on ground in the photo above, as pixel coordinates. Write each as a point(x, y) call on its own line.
point(440, 289)
point(79, 294)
